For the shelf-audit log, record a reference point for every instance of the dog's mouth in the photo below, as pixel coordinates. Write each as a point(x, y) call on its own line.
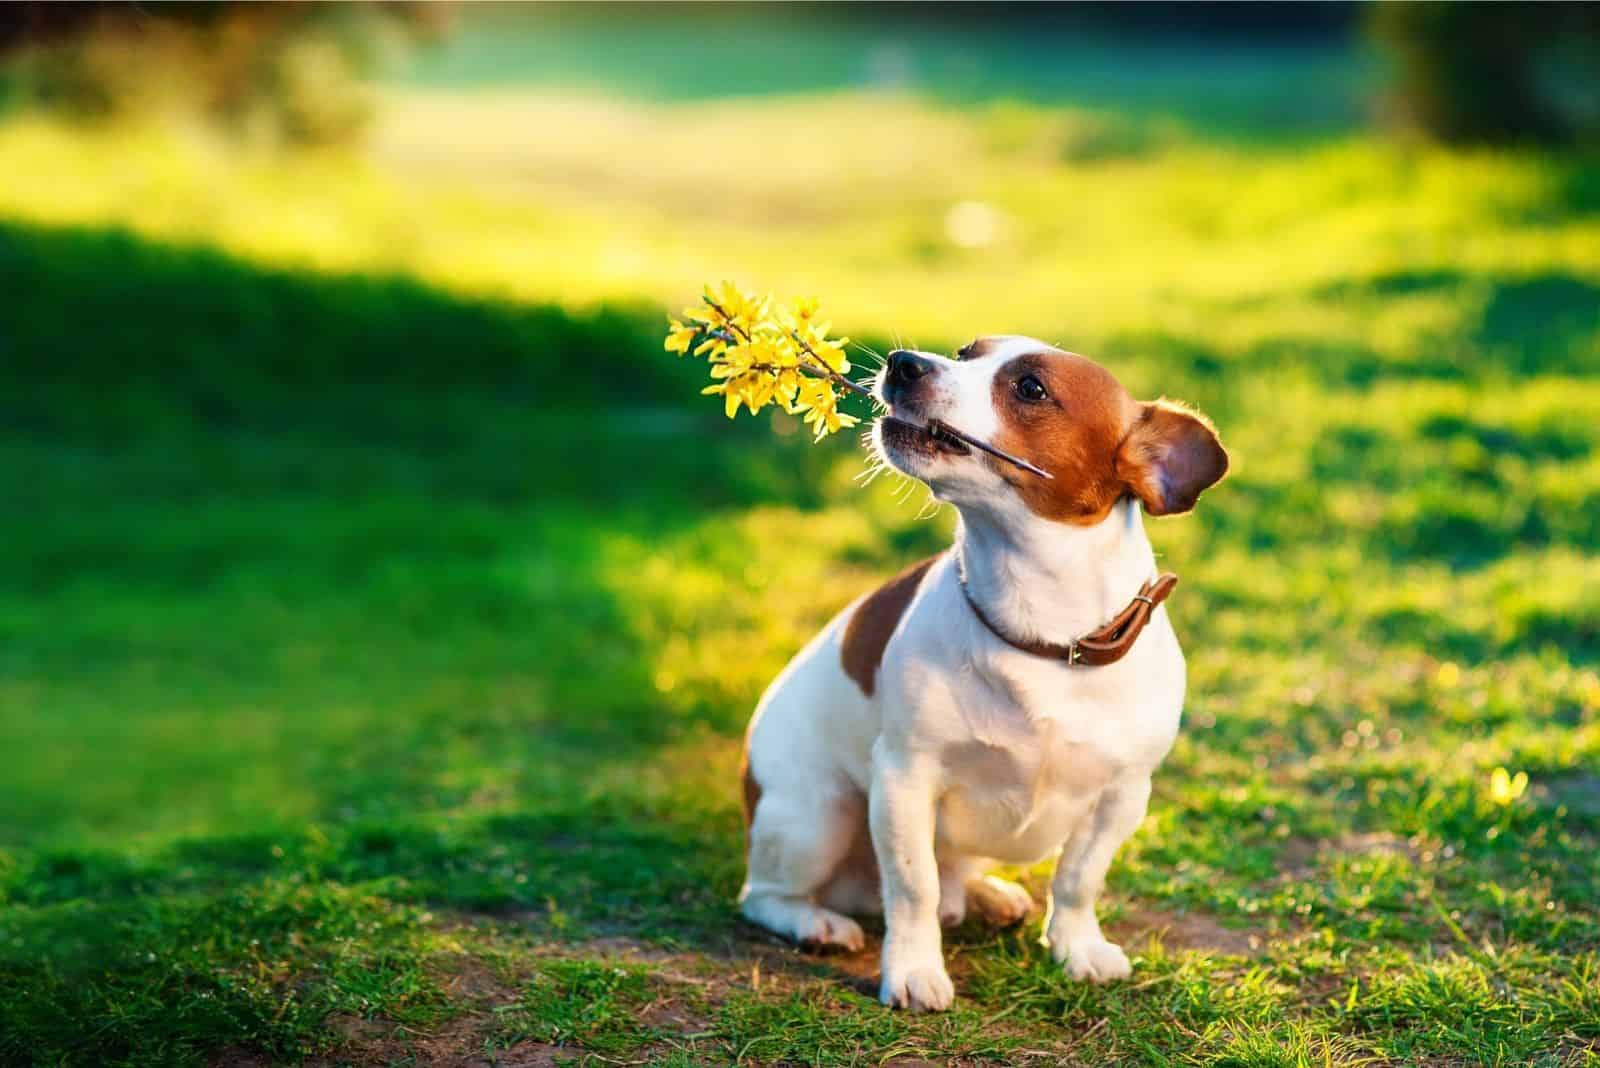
point(938, 437)
point(932, 438)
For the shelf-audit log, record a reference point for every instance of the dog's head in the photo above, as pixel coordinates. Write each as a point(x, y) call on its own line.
point(1061, 411)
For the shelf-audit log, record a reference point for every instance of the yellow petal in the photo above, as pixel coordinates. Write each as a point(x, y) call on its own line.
point(714, 345)
point(680, 337)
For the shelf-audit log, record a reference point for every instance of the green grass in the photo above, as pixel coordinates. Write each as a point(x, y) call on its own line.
point(380, 610)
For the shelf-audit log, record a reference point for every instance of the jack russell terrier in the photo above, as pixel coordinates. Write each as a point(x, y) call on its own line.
point(1002, 702)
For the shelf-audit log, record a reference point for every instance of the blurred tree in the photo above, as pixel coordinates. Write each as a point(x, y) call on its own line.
point(1494, 72)
point(287, 71)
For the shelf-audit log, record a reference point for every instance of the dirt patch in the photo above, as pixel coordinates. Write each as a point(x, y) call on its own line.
point(532, 1055)
point(1301, 857)
point(750, 959)
point(1579, 794)
point(234, 1057)
point(1377, 843)
point(463, 1041)
point(471, 981)
point(612, 947)
point(687, 991)
point(1185, 932)
point(458, 1043)
point(668, 1015)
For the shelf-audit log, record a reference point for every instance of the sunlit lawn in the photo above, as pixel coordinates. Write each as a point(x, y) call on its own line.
point(374, 653)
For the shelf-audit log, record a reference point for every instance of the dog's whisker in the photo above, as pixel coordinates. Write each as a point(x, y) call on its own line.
point(868, 477)
point(874, 467)
point(876, 356)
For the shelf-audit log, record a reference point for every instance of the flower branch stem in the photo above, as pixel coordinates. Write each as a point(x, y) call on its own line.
point(821, 367)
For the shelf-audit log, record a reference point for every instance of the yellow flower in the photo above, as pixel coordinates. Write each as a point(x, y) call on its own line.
point(680, 337)
point(1505, 788)
point(713, 346)
point(820, 404)
point(832, 354)
point(758, 390)
point(736, 308)
point(787, 388)
point(761, 355)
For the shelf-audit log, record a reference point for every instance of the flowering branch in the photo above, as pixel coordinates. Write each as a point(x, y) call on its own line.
point(760, 355)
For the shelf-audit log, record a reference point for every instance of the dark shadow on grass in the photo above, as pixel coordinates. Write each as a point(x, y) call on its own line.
point(1573, 634)
point(1529, 324)
point(278, 496)
point(184, 428)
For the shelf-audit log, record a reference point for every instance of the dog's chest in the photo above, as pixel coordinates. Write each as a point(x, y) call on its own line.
point(1018, 804)
point(1037, 744)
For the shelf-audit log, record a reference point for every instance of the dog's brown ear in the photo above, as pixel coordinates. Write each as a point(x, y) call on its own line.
point(1170, 455)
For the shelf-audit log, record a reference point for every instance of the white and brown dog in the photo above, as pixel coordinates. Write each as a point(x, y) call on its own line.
point(979, 707)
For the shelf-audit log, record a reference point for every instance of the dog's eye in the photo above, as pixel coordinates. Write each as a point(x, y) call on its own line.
point(966, 350)
point(1029, 388)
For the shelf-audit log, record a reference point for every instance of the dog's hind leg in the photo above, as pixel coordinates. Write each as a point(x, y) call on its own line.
point(855, 887)
point(1000, 902)
point(797, 841)
point(963, 888)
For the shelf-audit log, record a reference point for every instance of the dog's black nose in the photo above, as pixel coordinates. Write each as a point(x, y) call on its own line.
point(906, 367)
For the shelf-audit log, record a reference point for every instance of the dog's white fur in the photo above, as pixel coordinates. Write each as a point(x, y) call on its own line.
point(969, 752)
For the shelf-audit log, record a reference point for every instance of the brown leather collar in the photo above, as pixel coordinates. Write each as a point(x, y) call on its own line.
point(1105, 645)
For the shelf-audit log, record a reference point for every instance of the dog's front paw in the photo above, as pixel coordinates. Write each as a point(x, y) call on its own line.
point(1093, 958)
point(921, 987)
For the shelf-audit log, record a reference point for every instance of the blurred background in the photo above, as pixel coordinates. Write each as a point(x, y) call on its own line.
point(356, 526)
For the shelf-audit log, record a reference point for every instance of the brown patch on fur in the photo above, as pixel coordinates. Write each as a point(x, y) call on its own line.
point(1098, 443)
point(752, 789)
point(867, 633)
point(1073, 433)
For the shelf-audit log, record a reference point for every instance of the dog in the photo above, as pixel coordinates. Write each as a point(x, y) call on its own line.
point(1002, 702)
